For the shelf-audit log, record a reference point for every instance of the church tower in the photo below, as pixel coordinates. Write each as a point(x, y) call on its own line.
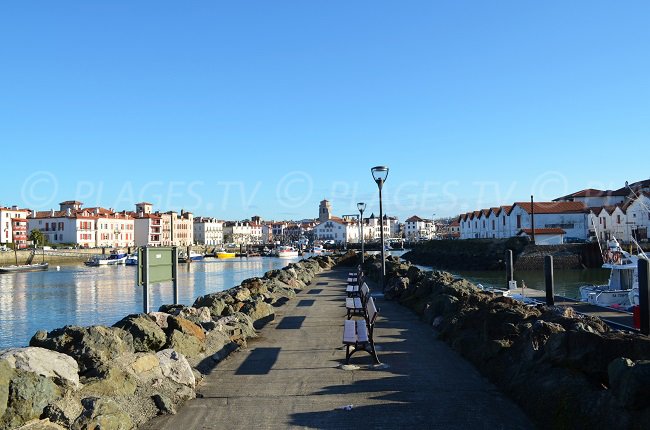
point(324, 211)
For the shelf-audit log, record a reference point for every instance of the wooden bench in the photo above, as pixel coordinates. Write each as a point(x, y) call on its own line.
point(357, 305)
point(358, 334)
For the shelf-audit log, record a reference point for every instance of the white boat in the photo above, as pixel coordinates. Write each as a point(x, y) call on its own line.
point(286, 252)
point(623, 279)
point(194, 256)
point(114, 259)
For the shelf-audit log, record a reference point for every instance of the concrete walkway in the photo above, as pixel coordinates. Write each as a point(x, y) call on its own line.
point(290, 377)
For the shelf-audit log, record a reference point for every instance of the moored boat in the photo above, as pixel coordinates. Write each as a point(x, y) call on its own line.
point(623, 279)
point(286, 252)
point(116, 258)
point(131, 260)
point(38, 267)
point(225, 255)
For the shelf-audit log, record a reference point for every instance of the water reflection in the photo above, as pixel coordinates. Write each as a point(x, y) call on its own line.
point(80, 295)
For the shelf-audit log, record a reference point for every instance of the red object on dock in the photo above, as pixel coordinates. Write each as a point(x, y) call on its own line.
point(636, 316)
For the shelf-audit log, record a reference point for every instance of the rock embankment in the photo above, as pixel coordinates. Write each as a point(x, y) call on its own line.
point(564, 369)
point(146, 364)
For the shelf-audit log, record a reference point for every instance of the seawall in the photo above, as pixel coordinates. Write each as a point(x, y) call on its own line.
point(565, 370)
point(121, 376)
point(489, 254)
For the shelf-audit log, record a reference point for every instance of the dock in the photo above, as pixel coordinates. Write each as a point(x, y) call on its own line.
point(618, 319)
point(291, 376)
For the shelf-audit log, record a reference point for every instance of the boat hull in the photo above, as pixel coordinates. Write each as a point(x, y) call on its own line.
point(25, 268)
point(225, 255)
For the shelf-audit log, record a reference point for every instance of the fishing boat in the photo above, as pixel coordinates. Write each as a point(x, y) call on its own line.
point(28, 266)
point(286, 252)
point(623, 279)
point(131, 260)
point(38, 267)
point(225, 255)
point(114, 259)
point(194, 256)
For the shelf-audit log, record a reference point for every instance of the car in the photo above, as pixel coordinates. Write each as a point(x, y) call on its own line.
point(573, 240)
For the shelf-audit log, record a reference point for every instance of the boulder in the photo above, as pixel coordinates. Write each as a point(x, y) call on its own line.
point(104, 414)
point(255, 285)
point(41, 425)
point(64, 411)
point(92, 347)
point(185, 344)
point(114, 382)
point(186, 327)
point(176, 367)
point(395, 287)
point(145, 363)
point(217, 303)
point(197, 316)
point(7, 373)
point(147, 334)
point(630, 383)
point(171, 309)
point(160, 318)
point(260, 312)
point(51, 364)
point(28, 395)
point(164, 404)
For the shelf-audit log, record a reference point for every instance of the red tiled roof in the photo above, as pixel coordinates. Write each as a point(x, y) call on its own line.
point(415, 218)
point(552, 207)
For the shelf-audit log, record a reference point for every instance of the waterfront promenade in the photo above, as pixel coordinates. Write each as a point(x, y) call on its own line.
point(289, 377)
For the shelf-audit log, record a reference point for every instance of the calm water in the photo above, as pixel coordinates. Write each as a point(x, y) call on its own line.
point(80, 295)
point(567, 282)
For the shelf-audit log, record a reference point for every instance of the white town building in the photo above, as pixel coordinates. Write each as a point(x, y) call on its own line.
point(208, 231)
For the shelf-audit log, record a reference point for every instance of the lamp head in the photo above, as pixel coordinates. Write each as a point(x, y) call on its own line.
point(361, 206)
point(379, 174)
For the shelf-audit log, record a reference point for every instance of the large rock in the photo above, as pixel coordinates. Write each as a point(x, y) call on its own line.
point(51, 364)
point(114, 382)
point(147, 334)
point(41, 425)
point(255, 285)
point(176, 367)
point(92, 347)
point(197, 316)
point(260, 312)
point(28, 395)
point(217, 303)
point(160, 318)
point(102, 414)
point(186, 327)
point(185, 344)
point(630, 383)
point(7, 373)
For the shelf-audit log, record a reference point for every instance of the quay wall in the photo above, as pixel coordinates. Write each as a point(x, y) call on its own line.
point(144, 365)
point(567, 371)
point(489, 254)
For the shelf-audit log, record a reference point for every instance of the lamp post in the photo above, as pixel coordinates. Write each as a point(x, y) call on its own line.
point(379, 174)
point(362, 207)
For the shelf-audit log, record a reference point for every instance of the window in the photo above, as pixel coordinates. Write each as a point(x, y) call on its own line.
point(504, 220)
point(618, 219)
point(518, 221)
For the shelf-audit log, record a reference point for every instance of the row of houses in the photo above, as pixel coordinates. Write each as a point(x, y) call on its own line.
point(622, 213)
point(96, 227)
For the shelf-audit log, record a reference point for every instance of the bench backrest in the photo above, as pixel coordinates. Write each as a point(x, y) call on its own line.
point(364, 292)
point(371, 310)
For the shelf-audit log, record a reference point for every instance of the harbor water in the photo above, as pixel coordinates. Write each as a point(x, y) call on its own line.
point(80, 295)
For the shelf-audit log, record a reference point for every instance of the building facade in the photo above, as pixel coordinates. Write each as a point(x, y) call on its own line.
point(14, 226)
point(208, 231)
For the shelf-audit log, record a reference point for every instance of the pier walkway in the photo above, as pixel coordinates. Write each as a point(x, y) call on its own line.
point(289, 377)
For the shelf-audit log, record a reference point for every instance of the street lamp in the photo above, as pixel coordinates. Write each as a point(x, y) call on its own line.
point(379, 174)
point(362, 207)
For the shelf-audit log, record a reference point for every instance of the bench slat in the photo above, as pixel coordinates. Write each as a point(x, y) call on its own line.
point(371, 309)
point(362, 331)
point(349, 332)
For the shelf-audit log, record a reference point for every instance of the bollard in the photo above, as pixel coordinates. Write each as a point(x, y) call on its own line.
point(510, 273)
point(644, 296)
point(550, 283)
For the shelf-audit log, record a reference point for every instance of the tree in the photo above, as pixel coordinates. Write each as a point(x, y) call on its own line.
point(37, 237)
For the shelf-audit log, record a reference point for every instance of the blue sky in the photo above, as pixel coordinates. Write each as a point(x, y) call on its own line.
point(232, 109)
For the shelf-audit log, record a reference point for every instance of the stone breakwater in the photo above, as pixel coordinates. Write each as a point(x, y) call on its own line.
point(146, 364)
point(565, 370)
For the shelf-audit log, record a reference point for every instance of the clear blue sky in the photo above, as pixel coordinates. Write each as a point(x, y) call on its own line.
point(232, 109)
